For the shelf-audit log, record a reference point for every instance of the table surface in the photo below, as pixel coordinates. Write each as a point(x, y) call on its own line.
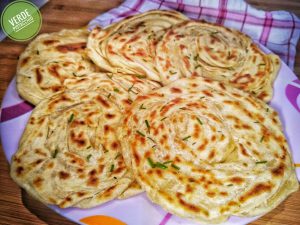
point(16, 207)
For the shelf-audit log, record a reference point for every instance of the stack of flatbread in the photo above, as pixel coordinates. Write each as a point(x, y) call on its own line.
point(205, 146)
point(148, 45)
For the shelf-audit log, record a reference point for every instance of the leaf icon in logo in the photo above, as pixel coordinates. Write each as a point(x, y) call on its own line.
point(292, 92)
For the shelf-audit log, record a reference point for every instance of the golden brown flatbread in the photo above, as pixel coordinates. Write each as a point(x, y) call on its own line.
point(129, 46)
point(49, 60)
point(204, 150)
point(203, 49)
point(70, 154)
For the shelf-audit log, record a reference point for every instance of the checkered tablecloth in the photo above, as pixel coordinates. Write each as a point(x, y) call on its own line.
point(277, 30)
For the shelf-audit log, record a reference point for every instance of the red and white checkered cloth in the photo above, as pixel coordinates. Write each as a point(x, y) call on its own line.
point(277, 30)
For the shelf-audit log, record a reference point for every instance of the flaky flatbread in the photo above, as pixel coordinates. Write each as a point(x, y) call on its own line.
point(205, 150)
point(129, 46)
point(203, 49)
point(49, 60)
point(69, 154)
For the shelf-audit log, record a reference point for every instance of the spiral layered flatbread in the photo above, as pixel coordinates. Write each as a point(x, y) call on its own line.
point(202, 49)
point(69, 154)
point(49, 60)
point(129, 46)
point(205, 150)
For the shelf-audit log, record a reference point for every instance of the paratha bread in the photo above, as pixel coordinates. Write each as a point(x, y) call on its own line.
point(49, 60)
point(69, 154)
point(203, 49)
point(129, 46)
point(205, 150)
point(134, 86)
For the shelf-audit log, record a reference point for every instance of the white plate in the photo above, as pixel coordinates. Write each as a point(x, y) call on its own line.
point(139, 210)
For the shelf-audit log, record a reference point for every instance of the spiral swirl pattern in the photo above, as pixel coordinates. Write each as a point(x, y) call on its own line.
point(206, 151)
point(129, 46)
point(195, 48)
point(69, 154)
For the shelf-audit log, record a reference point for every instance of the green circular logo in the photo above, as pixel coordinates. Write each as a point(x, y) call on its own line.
point(21, 20)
